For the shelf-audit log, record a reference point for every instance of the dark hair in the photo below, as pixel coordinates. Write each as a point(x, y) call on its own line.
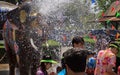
point(90, 52)
point(58, 69)
point(76, 60)
point(42, 66)
point(47, 57)
point(77, 40)
point(114, 45)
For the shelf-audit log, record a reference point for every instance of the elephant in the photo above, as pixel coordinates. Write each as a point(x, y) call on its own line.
point(23, 34)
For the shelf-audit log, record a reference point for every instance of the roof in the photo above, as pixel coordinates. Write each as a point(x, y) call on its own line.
point(111, 12)
point(109, 18)
point(113, 9)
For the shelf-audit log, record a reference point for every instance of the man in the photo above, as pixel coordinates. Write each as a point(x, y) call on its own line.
point(78, 42)
point(75, 62)
point(106, 60)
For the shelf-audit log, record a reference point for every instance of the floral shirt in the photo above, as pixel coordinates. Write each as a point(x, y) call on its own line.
point(104, 58)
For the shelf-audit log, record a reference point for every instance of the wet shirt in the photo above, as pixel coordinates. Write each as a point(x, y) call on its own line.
point(63, 72)
point(91, 63)
point(39, 72)
point(104, 58)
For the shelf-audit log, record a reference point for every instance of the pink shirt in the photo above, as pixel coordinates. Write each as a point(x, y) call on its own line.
point(104, 58)
point(39, 72)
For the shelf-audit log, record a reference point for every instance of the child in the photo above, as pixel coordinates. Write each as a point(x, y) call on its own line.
point(46, 63)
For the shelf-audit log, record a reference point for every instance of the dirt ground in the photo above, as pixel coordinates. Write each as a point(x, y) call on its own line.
point(4, 66)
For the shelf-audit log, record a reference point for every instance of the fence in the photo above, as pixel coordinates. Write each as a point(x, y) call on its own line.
point(3, 56)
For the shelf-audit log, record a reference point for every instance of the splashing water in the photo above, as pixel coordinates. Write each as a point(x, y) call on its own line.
point(48, 6)
point(55, 12)
point(65, 18)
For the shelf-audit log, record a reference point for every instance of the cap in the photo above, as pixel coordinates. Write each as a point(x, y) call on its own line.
point(114, 45)
point(48, 59)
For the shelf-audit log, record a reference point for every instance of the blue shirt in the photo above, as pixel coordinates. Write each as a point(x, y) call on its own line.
point(91, 62)
point(63, 72)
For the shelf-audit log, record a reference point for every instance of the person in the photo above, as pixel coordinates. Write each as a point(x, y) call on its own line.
point(75, 62)
point(106, 60)
point(91, 63)
point(58, 69)
point(118, 72)
point(118, 55)
point(78, 43)
point(46, 63)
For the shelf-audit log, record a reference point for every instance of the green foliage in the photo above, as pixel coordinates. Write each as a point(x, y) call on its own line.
point(78, 13)
point(87, 39)
point(117, 14)
point(51, 43)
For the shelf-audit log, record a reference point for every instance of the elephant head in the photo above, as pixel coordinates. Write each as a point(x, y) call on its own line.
point(27, 21)
point(5, 7)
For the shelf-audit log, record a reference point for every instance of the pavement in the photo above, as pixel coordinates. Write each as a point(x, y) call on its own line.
point(4, 72)
point(4, 69)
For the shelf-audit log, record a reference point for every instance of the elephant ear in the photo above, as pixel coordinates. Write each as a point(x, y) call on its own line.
point(13, 17)
point(19, 15)
point(5, 7)
point(23, 16)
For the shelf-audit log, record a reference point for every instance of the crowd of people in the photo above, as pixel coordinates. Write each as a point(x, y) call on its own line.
point(81, 61)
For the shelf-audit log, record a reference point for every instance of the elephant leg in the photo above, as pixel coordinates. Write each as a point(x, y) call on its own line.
point(23, 66)
point(24, 70)
point(33, 70)
point(35, 64)
point(12, 70)
point(12, 61)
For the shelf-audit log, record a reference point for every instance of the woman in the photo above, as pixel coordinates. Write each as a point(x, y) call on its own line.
point(106, 60)
point(46, 63)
